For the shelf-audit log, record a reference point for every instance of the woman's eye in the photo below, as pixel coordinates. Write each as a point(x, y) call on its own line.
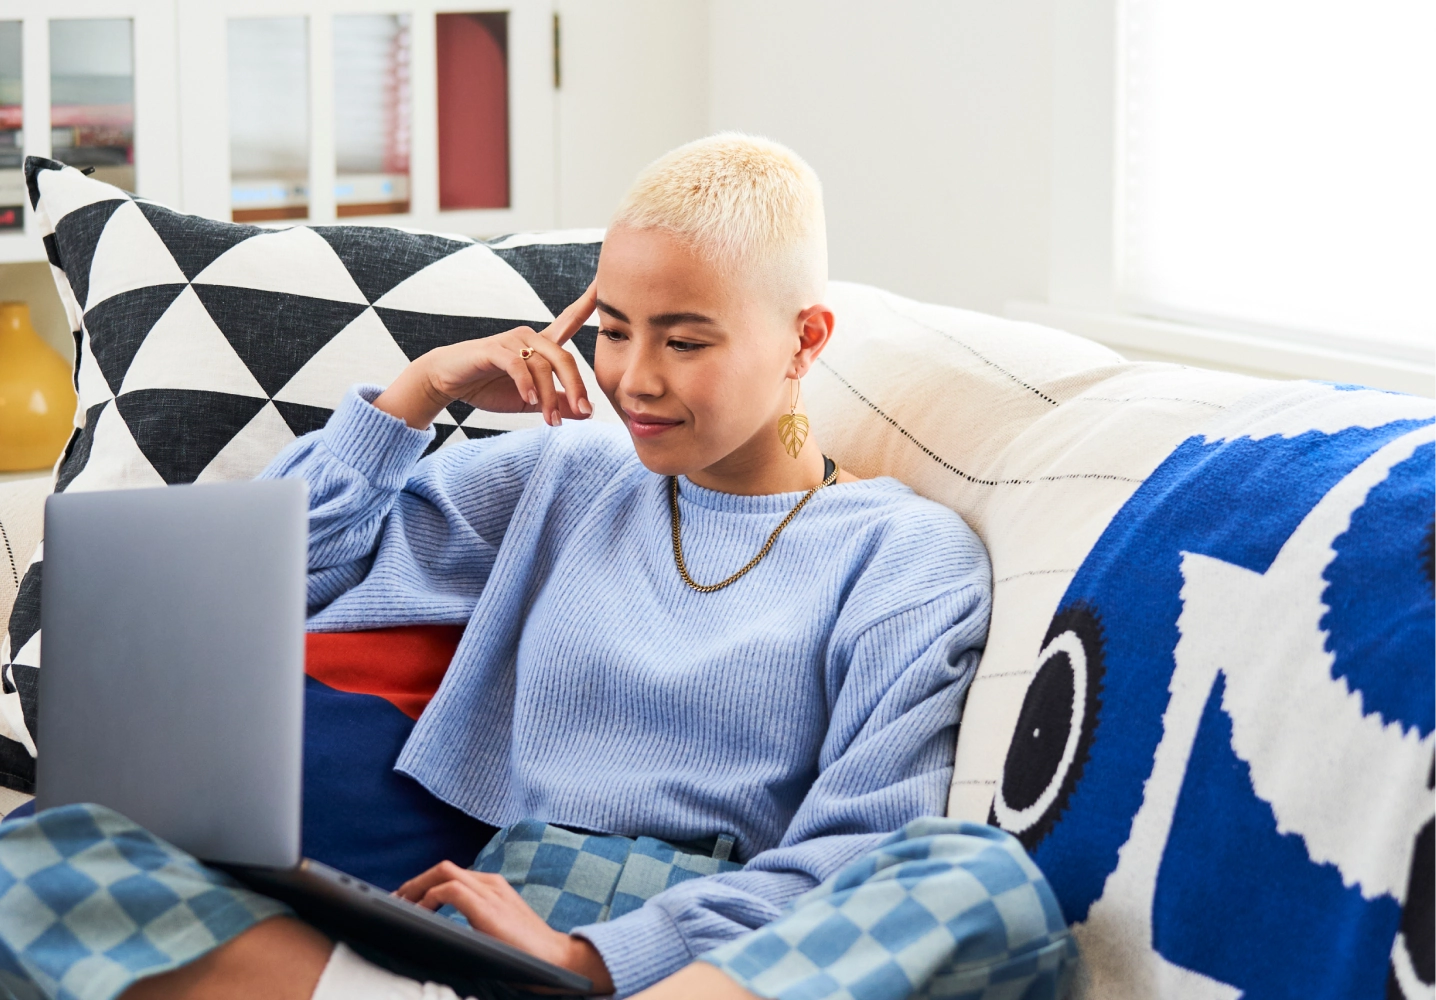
point(684, 346)
point(613, 335)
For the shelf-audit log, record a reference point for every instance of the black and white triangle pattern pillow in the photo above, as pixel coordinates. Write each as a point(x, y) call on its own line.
point(204, 347)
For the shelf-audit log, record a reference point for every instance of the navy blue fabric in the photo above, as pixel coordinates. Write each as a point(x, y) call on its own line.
point(360, 815)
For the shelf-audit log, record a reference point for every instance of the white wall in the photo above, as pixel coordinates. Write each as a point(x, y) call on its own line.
point(635, 84)
point(929, 122)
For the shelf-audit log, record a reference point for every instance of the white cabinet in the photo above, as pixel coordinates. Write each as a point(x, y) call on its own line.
point(435, 115)
point(109, 50)
point(222, 45)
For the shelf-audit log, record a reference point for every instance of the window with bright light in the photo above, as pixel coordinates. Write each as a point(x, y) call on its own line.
point(1278, 167)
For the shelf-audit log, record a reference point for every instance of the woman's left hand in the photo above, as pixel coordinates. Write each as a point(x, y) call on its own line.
point(493, 906)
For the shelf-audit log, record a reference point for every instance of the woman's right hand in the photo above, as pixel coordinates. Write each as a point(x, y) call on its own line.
point(493, 374)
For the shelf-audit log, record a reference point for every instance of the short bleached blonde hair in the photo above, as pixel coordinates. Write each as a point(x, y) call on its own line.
point(746, 204)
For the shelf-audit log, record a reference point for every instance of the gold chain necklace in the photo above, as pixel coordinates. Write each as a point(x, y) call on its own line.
point(708, 588)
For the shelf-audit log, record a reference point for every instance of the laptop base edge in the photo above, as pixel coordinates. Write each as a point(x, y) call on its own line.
point(401, 937)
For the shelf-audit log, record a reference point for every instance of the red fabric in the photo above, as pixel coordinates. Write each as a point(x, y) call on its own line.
point(402, 665)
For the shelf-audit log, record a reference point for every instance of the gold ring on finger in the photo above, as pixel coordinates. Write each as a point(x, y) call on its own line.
point(526, 353)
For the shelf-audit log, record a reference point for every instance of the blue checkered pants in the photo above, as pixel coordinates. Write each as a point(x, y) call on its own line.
point(89, 903)
point(940, 909)
point(572, 879)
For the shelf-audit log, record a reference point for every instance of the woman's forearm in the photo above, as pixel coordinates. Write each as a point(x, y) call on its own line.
point(412, 396)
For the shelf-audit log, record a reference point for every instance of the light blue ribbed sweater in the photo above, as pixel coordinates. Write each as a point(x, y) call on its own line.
point(806, 710)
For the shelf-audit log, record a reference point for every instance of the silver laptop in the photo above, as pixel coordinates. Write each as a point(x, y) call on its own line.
point(172, 691)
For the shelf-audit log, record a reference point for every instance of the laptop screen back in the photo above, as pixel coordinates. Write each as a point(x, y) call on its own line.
point(172, 663)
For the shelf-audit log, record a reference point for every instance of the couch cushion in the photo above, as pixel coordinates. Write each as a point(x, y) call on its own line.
point(1212, 635)
point(203, 348)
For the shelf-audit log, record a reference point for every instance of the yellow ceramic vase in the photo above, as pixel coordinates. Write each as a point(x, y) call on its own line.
point(37, 398)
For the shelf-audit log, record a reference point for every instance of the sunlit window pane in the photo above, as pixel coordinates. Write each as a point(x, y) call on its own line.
point(12, 143)
point(269, 118)
point(1279, 166)
point(371, 114)
point(92, 97)
point(473, 110)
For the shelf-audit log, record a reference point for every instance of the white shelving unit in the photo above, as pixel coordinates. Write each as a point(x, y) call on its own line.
point(181, 101)
point(157, 135)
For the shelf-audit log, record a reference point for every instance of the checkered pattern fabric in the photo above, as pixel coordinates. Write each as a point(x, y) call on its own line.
point(572, 879)
point(89, 903)
point(941, 909)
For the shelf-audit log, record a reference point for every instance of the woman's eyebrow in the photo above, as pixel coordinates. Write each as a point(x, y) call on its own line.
point(662, 320)
point(608, 310)
point(665, 320)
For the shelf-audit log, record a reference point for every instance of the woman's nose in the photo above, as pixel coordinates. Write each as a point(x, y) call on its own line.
point(642, 377)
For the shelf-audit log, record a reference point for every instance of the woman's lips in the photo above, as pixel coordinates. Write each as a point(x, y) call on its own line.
point(648, 425)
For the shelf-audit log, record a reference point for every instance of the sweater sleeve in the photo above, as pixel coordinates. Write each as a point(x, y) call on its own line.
point(887, 759)
point(418, 534)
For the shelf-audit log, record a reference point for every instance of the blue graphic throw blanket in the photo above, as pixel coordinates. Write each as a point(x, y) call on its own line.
point(1224, 761)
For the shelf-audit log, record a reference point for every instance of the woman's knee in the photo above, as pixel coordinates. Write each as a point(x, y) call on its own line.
point(281, 958)
point(954, 908)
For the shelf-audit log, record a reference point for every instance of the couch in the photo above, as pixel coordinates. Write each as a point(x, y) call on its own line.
point(1206, 703)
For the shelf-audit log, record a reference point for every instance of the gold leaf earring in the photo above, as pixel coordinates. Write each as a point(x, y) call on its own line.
point(793, 426)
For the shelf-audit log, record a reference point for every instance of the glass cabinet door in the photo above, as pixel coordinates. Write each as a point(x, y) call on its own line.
point(427, 114)
point(90, 83)
point(373, 113)
point(12, 136)
point(92, 97)
point(473, 110)
point(268, 117)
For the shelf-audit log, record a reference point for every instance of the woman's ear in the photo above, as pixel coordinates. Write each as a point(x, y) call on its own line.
point(815, 329)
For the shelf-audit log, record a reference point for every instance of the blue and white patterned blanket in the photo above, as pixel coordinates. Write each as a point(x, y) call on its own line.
point(1224, 760)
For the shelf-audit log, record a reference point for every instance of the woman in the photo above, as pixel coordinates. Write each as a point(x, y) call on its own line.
point(694, 627)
